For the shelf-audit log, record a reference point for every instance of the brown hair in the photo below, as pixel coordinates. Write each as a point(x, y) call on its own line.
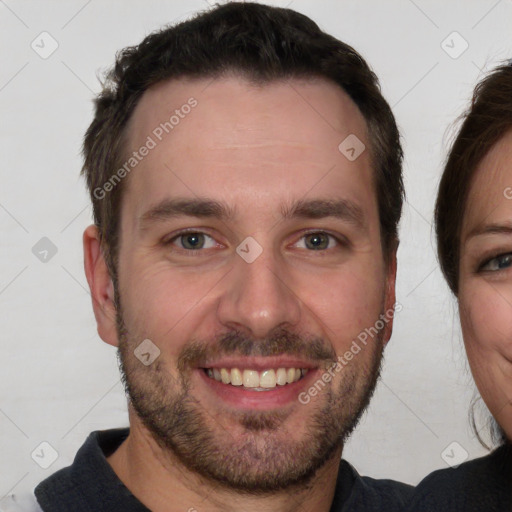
point(484, 124)
point(261, 43)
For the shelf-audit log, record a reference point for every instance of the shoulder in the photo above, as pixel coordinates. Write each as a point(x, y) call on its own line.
point(479, 484)
point(388, 494)
point(88, 479)
point(371, 494)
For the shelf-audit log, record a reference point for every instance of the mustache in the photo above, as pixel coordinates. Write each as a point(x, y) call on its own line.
point(280, 342)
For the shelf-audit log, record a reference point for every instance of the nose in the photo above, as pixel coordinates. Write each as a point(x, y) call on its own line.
point(259, 297)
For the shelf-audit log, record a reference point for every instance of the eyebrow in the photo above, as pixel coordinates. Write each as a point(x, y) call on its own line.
point(490, 229)
point(342, 209)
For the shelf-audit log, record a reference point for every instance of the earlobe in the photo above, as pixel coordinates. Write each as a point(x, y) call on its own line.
point(100, 285)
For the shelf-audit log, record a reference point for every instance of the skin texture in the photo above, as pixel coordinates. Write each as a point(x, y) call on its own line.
point(259, 150)
point(485, 292)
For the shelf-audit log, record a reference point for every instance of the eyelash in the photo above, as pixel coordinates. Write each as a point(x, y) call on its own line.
point(488, 260)
point(192, 252)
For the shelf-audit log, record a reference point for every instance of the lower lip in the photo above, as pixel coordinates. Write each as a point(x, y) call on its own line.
point(243, 398)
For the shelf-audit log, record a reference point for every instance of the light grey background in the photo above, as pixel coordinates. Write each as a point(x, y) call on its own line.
point(59, 381)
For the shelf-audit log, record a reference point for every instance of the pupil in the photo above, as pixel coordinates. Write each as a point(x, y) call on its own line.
point(193, 240)
point(317, 241)
point(505, 262)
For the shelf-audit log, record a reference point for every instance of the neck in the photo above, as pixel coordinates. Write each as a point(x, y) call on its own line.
point(159, 481)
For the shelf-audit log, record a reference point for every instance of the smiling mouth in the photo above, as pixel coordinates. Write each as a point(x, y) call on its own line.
point(255, 380)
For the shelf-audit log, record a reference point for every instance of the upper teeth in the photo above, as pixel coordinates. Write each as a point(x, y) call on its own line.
point(255, 379)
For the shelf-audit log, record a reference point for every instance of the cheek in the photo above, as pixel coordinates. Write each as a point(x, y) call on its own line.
point(173, 306)
point(159, 304)
point(486, 320)
point(347, 302)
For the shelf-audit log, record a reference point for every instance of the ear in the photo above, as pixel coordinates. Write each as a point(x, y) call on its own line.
point(390, 298)
point(101, 286)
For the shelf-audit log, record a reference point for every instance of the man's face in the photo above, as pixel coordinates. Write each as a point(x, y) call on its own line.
point(245, 325)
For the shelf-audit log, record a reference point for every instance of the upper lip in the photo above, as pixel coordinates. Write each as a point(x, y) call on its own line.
point(259, 363)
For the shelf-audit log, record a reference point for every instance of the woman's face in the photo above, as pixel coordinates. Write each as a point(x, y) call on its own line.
point(485, 281)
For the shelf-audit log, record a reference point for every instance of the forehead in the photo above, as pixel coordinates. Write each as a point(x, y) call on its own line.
point(490, 194)
point(233, 98)
point(227, 136)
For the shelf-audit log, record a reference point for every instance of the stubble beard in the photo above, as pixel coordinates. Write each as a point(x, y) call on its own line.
point(265, 458)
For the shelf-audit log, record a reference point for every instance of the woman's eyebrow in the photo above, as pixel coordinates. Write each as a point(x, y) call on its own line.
point(489, 229)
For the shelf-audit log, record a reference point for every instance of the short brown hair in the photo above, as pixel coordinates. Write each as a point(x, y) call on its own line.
point(484, 124)
point(261, 43)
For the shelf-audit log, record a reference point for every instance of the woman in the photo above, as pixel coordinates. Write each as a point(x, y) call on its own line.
point(474, 235)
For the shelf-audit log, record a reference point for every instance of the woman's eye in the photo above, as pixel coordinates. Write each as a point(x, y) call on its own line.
point(193, 241)
point(318, 241)
point(498, 263)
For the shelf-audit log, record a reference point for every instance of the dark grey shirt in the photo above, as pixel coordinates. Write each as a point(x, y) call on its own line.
point(90, 484)
point(479, 485)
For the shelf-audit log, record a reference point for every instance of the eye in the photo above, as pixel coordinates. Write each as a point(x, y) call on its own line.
point(500, 262)
point(192, 241)
point(319, 241)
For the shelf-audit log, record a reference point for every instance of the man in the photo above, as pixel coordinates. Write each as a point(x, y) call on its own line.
point(245, 174)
